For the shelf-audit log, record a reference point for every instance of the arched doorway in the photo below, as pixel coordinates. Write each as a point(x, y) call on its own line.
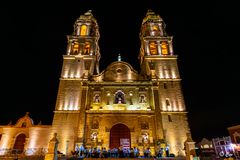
point(19, 143)
point(119, 132)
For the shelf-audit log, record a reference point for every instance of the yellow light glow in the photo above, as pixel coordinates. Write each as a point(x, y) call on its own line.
point(166, 74)
point(180, 108)
point(78, 71)
point(153, 48)
point(173, 144)
point(75, 48)
point(4, 141)
point(76, 104)
point(164, 106)
point(33, 140)
point(169, 108)
point(164, 48)
point(174, 106)
point(66, 71)
point(174, 75)
point(71, 75)
point(70, 107)
point(155, 28)
point(161, 72)
point(66, 104)
point(83, 31)
point(60, 106)
point(87, 48)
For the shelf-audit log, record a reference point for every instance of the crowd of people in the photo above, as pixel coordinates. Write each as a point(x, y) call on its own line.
point(120, 152)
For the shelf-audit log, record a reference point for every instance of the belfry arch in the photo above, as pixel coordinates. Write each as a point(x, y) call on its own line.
point(20, 142)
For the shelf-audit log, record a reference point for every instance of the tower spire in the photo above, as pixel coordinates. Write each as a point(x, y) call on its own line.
point(119, 57)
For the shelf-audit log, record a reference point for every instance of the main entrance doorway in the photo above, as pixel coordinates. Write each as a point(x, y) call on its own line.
point(119, 133)
point(19, 143)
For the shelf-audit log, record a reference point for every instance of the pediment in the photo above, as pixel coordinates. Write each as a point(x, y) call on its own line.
point(120, 71)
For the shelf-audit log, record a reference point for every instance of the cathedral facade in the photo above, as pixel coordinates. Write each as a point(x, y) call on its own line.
point(118, 106)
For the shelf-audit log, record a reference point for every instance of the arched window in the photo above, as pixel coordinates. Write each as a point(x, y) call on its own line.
point(119, 98)
point(155, 28)
point(75, 48)
point(19, 143)
point(164, 47)
point(96, 98)
point(142, 98)
point(83, 31)
point(87, 48)
point(24, 124)
point(153, 48)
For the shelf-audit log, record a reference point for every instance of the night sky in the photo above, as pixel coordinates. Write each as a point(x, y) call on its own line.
point(205, 38)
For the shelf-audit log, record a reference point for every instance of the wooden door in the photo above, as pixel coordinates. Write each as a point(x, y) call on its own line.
point(117, 132)
point(19, 143)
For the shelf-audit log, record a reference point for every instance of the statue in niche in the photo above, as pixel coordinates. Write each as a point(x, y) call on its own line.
point(142, 98)
point(119, 98)
point(145, 137)
point(96, 98)
point(94, 136)
point(95, 124)
point(144, 125)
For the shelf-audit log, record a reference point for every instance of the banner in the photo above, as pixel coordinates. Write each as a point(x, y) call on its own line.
point(125, 143)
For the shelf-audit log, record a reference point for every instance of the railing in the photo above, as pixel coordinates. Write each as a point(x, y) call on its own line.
point(30, 153)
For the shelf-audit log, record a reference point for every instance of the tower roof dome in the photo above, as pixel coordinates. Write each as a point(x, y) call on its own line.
point(87, 16)
point(151, 16)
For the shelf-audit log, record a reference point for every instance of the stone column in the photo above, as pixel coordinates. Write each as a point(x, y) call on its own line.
point(78, 29)
point(69, 47)
point(147, 48)
point(88, 29)
point(170, 46)
point(52, 149)
point(159, 48)
point(160, 29)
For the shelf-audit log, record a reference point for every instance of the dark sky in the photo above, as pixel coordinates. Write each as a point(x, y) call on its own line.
point(33, 40)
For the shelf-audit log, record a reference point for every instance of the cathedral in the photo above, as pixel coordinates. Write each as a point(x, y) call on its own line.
point(117, 106)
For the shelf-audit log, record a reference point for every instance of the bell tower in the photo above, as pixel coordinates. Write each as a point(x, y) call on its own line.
point(82, 59)
point(156, 53)
point(158, 64)
point(79, 64)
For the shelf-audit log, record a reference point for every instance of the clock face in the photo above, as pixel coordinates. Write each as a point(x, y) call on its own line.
point(153, 48)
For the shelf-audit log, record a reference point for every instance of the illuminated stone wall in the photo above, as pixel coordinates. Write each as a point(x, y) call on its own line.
point(65, 124)
point(37, 136)
point(175, 127)
point(150, 104)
